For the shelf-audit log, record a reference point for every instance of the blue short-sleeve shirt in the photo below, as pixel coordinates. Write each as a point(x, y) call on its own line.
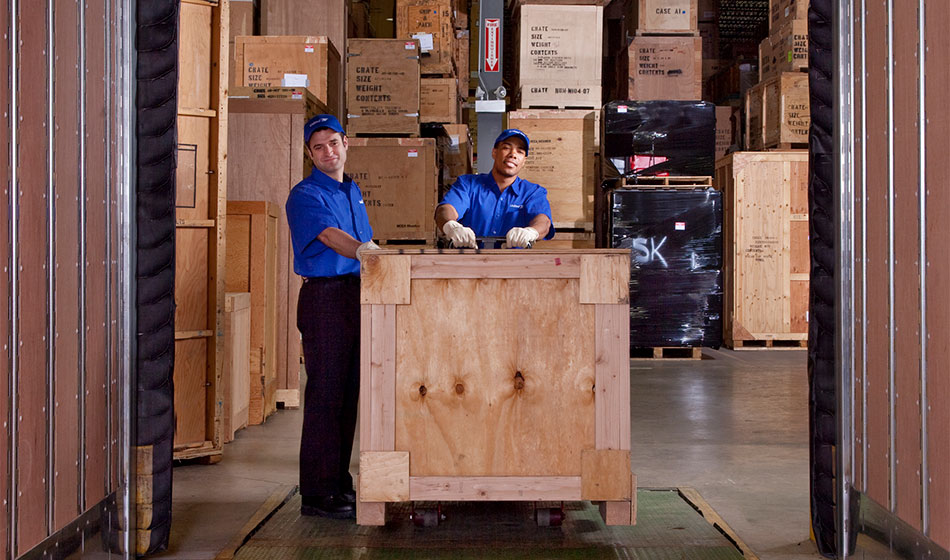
point(491, 212)
point(315, 204)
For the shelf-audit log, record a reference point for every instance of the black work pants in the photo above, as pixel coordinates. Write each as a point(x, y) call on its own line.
point(328, 316)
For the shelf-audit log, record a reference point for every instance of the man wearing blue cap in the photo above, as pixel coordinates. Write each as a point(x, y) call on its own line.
point(497, 203)
point(329, 231)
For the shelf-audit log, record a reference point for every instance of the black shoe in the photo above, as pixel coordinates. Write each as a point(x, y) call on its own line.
point(333, 507)
point(348, 496)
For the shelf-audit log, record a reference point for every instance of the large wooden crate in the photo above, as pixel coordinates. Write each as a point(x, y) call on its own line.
point(431, 22)
point(532, 411)
point(562, 160)
point(785, 50)
point(778, 112)
point(382, 86)
point(765, 246)
point(236, 376)
point(439, 102)
point(280, 61)
point(781, 12)
point(399, 179)
point(326, 18)
point(201, 193)
point(559, 57)
point(663, 16)
point(252, 267)
point(726, 121)
point(266, 160)
point(665, 68)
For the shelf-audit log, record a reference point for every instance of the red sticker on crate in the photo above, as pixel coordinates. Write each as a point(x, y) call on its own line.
point(308, 48)
point(410, 46)
point(557, 262)
point(413, 153)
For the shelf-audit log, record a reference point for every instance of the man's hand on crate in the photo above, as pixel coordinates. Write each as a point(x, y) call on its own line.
point(361, 250)
point(521, 237)
point(459, 235)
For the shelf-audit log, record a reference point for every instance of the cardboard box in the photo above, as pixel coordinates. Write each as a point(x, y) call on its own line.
point(457, 159)
point(399, 179)
point(559, 59)
point(562, 160)
point(438, 101)
point(291, 61)
point(781, 12)
point(662, 16)
point(382, 86)
point(665, 68)
point(431, 22)
point(785, 50)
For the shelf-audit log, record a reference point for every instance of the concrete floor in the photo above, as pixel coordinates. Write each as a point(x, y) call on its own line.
point(733, 426)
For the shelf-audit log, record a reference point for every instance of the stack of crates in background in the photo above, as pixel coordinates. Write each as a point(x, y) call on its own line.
point(432, 23)
point(555, 72)
point(765, 195)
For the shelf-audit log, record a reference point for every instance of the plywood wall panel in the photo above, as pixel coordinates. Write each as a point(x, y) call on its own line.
point(937, 268)
point(66, 174)
point(878, 326)
point(96, 261)
point(31, 343)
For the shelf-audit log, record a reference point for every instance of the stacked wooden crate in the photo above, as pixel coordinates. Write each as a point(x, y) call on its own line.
point(666, 54)
point(432, 24)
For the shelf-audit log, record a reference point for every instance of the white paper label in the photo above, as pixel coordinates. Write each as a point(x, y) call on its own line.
point(308, 48)
point(425, 41)
point(413, 153)
point(680, 226)
point(295, 80)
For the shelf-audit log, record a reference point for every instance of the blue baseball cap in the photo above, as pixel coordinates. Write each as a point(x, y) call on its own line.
point(508, 133)
point(321, 121)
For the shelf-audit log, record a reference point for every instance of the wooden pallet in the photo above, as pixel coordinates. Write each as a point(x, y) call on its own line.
point(667, 32)
point(701, 182)
point(667, 353)
point(786, 146)
point(767, 344)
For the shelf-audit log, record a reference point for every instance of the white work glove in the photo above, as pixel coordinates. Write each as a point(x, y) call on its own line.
point(521, 236)
point(368, 246)
point(459, 235)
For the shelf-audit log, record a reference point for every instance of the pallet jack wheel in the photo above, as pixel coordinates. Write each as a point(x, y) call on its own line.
point(427, 517)
point(549, 517)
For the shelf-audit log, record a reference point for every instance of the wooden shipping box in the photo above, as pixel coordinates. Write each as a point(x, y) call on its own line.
point(777, 112)
point(726, 121)
point(430, 21)
point(559, 58)
point(729, 85)
point(399, 179)
point(273, 61)
point(457, 159)
point(782, 12)
point(382, 86)
point(662, 16)
point(539, 413)
point(252, 258)
point(785, 50)
point(236, 378)
point(765, 245)
point(438, 101)
point(266, 160)
point(665, 68)
point(327, 18)
point(562, 160)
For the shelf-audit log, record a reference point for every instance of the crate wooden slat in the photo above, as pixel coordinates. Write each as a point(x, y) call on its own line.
point(237, 336)
point(533, 427)
point(200, 198)
point(765, 246)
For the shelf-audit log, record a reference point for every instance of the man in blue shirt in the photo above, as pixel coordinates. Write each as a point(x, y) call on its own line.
point(497, 203)
point(329, 231)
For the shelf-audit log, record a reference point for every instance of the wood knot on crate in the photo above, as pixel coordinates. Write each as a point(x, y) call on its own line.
point(459, 388)
point(519, 381)
point(423, 390)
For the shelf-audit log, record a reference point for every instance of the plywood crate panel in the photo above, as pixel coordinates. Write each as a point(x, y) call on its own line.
point(785, 50)
point(236, 378)
point(522, 415)
point(438, 101)
point(266, 160)
point(781, 12)
point(765, 245)
point(382, 86)
point(559, 57)
point(562, 160)
point(726, 120)
point(431, 22)
point(665, 68)
point(778, 111)
point(242, 15)
point(274, 61)
point(252, 257)
point(399, 179)
point(326, 18)
point(663, 16)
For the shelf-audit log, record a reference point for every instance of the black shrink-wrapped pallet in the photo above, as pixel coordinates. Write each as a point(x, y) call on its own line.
point(659, 138)
point(675, 238)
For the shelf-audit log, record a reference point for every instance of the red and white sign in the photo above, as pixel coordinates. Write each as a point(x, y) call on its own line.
point(492, 44)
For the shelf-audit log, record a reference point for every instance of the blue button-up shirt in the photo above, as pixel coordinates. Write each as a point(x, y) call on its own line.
point(489, 211)
point(315, 204)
